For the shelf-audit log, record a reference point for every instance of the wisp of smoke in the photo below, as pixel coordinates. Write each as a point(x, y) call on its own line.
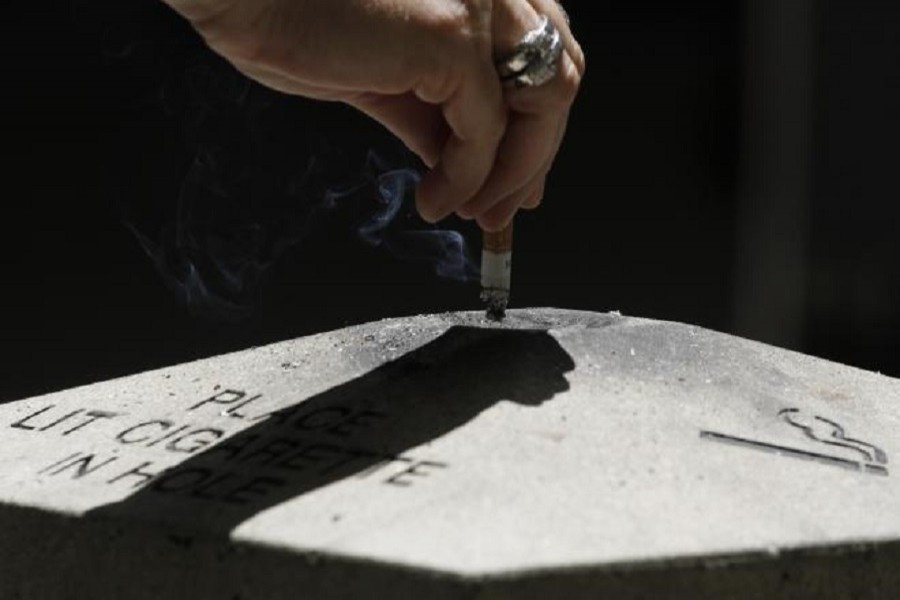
point(243, 201)
point(409, 238)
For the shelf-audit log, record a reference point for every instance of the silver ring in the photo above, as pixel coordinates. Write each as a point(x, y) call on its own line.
point(535, 60)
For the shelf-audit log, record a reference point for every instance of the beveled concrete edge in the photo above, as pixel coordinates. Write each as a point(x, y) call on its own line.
point(273, 572)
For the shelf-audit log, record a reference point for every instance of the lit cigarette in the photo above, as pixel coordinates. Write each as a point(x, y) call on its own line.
point(496, 267)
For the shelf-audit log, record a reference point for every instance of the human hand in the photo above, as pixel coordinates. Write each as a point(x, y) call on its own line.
point(425, 70)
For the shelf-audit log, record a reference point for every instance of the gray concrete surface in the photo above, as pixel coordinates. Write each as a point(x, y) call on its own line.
point(561, 455)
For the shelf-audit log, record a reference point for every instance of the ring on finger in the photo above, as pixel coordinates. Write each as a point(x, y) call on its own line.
point(535, 60)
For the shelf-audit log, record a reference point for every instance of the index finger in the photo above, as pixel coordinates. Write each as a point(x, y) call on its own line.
point(476, 116)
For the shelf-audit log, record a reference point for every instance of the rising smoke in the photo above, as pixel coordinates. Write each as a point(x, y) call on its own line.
point(251, 192)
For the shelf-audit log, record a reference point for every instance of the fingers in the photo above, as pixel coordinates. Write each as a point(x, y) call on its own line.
point(476, 116)
point(528, 148)
point(535, 199)
point(530, 196)
point(537, 122)
point(553, 98)
point(499, 216)
point(419, 125)
point(526, 157)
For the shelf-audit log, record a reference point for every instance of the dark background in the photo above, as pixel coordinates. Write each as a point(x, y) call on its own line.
point(728, 164)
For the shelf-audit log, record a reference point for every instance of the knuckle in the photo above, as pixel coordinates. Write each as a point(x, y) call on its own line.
point(454, 51)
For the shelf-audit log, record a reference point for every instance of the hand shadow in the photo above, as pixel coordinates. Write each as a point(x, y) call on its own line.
point(363, 428)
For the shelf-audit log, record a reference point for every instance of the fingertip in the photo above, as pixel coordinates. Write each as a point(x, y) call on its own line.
point(429, 196)
point(452, 183)
point(535, 199)
point(498, 218)
point(465, 212)
point(429, 156)
point(500, 215)
point(493, 223)
point(429, 159)
point(485, 199)
point(423, 206)
point(532, 203)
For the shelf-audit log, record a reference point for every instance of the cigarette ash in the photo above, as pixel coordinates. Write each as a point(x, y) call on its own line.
point(496, 311)
point(497, 301)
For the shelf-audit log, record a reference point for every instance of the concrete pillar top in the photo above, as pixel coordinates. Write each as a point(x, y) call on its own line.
point(560, 442)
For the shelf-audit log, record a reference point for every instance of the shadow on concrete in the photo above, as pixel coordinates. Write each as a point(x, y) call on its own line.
point(370, 427)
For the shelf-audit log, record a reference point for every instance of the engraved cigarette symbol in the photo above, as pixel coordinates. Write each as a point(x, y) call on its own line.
point(871, 458)
point(828, 432)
